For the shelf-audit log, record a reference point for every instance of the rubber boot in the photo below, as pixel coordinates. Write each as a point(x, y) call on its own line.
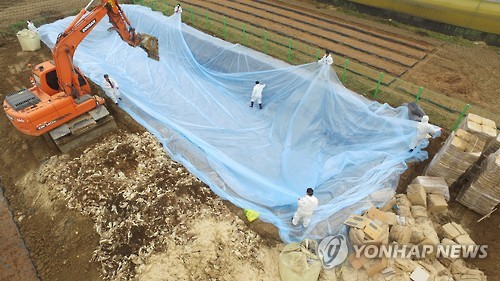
point(251, 104)
point(260, 105)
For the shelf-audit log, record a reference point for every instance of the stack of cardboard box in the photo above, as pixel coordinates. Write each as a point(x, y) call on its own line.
point(429, 192)
point(484, 128)
point(482, 192)
point(460, 151)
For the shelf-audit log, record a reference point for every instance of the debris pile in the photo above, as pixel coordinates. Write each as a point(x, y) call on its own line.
point(407, 219)
point(459, 153)
point(482, 192)
point(140, 201)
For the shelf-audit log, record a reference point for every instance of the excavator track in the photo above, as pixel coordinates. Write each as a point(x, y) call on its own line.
point(83, 129)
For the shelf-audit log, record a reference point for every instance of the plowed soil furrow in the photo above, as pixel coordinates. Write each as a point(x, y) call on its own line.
point(386, 37)
point(329, 34)
point(342, 33)
point(320, 39)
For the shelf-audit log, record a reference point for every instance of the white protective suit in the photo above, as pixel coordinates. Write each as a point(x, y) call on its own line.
point(326, 59)
point(178, 9)
point(111, 89)
point(424, 131)
point(31, 26)
point(257, 93)
point(307, 205)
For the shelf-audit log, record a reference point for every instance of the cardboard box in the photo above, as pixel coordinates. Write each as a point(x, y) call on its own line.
point(474, 118)
point(420, 274)
point(488, 122)
point(388, 271)
point(464, 239)
point(385, 217)
point(372, 230)
point(357, 263)
point(449, 231)
point(434, 185)
point(475, 146)
point(473, 127)
point(459, 228)
point(459, 143)
point(447, 241)
point(416, 194)
point(440, 269)
point(489, 131)
point(463, 134)
point(419, 212)
point(400, 234)
point(357, 221)
point(436, 203)
point(388, 206)
point(377, 266)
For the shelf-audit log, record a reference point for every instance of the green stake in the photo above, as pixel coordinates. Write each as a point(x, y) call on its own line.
point(378, 85)
point(290, 50)
point(191, 13)
point(460, 117)
point(206, 15)
point(225, 30)
point(265, 42)
point(244, 34)
point(317, 54)
point(153, 5)
point(345, 70)
point(420, 91)
point(166, 7)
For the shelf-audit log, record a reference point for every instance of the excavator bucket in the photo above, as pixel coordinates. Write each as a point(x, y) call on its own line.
point(150, 44)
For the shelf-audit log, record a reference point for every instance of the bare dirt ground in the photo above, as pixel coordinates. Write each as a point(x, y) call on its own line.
point(67, 240)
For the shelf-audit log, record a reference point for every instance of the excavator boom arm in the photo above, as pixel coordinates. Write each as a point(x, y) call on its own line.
point(79, 28)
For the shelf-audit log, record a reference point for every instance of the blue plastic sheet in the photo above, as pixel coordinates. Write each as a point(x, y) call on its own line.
point(311, 132)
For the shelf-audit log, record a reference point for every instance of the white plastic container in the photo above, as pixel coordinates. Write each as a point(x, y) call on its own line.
point(30, 40)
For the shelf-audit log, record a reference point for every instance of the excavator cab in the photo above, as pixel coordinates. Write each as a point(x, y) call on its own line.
point(45, 77)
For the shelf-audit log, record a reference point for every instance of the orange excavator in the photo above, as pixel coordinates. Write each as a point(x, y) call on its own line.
point(61, 101)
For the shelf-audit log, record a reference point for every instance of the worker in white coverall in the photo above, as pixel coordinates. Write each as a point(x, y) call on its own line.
point(178, 9)
point(31, 26)
point(424, 131)
point(327, 58)
point(110, 87)
point(257, 94)
point(307, 205)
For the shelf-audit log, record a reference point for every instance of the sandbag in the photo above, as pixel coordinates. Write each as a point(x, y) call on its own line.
point(299, 263)
point(29, 40)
